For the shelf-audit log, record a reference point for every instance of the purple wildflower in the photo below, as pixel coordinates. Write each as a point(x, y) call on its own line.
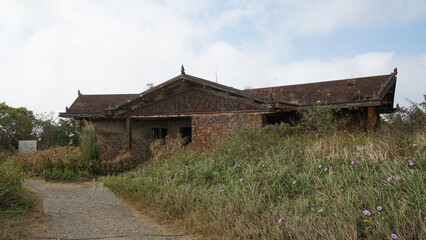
point(241, 179)
point(389, 179)
point(321, 210)
point(325, 157)
point(263, 165)
point(398, 178)
point(352, 162)
point(357, 162)
point(366, 213)
point(325, 169)
point(281, 219)
point(294, 182)
point(221, 190)
point(410, 162)
point(394, 236)
point(11, 205)
point(379, 208)
point(320, 166)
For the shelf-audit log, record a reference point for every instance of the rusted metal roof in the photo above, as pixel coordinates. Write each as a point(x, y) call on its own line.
point(338, 91)
point(93, 105)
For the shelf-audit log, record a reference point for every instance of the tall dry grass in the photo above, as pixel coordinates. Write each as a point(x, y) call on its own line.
point(33, 163)
point(278, 183)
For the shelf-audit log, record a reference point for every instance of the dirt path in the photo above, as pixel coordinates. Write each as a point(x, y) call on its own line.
point(90, 211)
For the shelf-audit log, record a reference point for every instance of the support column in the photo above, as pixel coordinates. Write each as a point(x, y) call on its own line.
point(129, 134)
point(372, 118)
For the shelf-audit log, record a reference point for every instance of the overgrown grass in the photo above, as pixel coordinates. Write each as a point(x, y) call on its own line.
point(72, 163)
point(273, 183)
point(15, 204)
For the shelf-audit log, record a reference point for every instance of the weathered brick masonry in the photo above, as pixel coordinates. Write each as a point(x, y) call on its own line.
point(112, 138)
point(208, 112)
point(210, 128)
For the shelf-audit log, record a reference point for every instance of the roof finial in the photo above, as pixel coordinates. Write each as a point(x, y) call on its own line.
point(79, 93)
point(395, 71)
point(182, 70)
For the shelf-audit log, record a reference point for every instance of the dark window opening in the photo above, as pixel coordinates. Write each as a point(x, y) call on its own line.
point(186, 133)
point(158, 133)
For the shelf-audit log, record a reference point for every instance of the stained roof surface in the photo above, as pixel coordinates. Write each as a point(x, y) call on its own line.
point(94, 104)
point(338, 91)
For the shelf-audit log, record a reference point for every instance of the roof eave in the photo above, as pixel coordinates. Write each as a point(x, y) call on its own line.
point(386, 88)
point(80, 115)
point(366, 103)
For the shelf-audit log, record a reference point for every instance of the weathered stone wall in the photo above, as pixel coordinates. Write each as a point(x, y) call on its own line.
point(211, 128)
point(142, 134)
point(112, 138)
point(363, 119)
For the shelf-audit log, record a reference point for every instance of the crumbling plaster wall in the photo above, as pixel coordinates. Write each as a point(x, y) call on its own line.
point(211, 128)
point(112, 138)
point(142, 134)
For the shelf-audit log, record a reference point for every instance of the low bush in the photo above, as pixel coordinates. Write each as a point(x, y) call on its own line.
point(119, 164)
point(12, 194)
point(72, 163)
point(33, 163)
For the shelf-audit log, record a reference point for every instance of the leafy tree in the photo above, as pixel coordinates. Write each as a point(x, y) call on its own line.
point(53, 132)
point(15, 124)
point(67, 132)
point(21, 124)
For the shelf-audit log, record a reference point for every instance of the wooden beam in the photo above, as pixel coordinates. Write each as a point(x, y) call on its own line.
point(372, 118)
point(129, 134)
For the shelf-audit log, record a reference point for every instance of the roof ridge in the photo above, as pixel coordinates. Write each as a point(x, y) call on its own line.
point(112, 94)
point(319, 82)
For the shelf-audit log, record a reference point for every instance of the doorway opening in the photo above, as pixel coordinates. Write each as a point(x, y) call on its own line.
point(186, 133)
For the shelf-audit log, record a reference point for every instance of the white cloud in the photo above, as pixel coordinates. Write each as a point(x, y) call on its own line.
point(49, 49)
point(309, 17)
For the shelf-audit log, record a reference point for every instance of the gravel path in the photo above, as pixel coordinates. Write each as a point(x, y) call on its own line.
point(90, 211)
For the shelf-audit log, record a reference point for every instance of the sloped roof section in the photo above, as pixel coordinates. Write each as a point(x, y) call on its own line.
point(93, 105)
point(338, 91)
point(346, 93)
point(195, 80)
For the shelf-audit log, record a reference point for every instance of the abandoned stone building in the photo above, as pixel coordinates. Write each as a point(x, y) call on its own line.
point(205, 111)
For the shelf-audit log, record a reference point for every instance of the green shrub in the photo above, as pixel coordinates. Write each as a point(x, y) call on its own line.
point(321, 119)
point(12, 194)
point(119, 164)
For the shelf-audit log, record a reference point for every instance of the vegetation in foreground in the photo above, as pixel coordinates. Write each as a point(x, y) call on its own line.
point(284, 183)
point(71, 163)
point(15, 204)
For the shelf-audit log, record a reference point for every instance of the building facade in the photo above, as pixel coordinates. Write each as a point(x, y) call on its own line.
point(206, 112)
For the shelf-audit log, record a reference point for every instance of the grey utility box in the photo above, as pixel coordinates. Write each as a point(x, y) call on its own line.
point(27, 146)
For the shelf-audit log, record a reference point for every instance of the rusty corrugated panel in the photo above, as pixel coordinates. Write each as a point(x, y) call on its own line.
point(339, 91)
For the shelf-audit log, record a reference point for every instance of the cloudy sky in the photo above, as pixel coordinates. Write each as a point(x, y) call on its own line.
point(50, 49)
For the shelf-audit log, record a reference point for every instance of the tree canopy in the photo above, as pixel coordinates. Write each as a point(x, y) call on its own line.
point(21, 124)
